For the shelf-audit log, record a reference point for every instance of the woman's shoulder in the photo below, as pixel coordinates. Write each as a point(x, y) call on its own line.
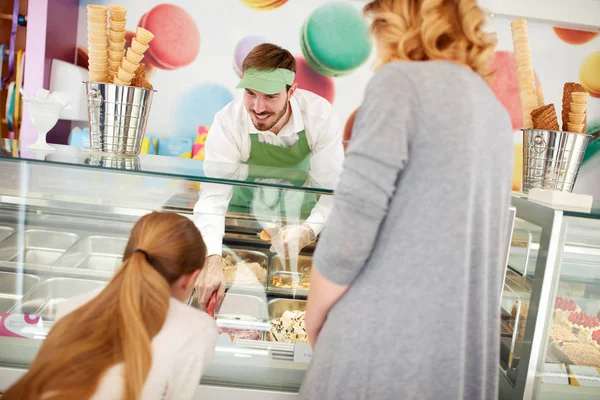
point(184, 317)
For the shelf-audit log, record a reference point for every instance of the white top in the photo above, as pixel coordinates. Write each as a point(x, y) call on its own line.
point(180, 352)
point(228, 145)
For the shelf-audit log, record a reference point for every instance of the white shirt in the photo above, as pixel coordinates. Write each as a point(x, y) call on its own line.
point(180, 352)
point(228, 146)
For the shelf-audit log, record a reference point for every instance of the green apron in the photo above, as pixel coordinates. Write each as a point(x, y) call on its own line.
point(268, 162)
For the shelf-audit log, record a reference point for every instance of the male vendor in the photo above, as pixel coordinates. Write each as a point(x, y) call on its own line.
point(275, 126)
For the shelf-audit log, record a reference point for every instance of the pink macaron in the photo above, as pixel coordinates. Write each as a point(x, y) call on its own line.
point(176, 42)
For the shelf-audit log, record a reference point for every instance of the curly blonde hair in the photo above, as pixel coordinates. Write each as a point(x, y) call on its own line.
point(422, 30)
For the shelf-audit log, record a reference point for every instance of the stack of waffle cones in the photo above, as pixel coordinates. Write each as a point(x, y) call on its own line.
point(525, 73)
point(535, 113)
point(135, 54)
point(109, 61)
point(97, 43)
point(574, 113)
point(116, 40)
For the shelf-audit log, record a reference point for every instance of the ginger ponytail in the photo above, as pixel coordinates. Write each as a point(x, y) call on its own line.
point(118, 325)
point(142, 288)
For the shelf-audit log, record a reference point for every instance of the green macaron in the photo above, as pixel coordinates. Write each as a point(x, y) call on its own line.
point(335, 39)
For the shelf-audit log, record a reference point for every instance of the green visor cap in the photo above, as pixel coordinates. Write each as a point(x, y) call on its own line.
point(266, 81)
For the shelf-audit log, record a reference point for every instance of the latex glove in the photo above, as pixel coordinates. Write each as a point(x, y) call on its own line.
point(291, 239)
point(211, 279)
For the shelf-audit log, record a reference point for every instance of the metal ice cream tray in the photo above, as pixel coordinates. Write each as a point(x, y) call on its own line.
point(36, 246)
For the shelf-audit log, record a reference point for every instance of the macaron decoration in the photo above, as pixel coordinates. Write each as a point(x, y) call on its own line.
point(197, 107)
point(177, 38)
point(308, 79)
point(263, 5)
point(335, 39)
point(589, 74)
point(242, 48)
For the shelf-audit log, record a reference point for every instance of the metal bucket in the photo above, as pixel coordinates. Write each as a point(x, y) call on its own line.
point(551, 159)
point(117, 117)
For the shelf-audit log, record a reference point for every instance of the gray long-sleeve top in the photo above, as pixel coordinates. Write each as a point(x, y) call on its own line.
point(417, 230)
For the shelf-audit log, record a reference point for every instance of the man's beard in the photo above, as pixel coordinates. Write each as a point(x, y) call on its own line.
point(264, 127)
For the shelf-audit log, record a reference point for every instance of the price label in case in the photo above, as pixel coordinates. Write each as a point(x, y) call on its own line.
point(585, 376)
point(302, 353)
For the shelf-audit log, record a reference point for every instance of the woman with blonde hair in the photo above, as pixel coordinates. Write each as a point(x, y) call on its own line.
point(405, 292)
point(136, 339)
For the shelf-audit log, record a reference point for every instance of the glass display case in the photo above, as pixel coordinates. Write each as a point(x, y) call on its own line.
point(65, 218)
point(550, 339)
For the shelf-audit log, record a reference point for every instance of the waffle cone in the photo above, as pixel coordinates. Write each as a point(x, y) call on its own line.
point(575, 128)
point(117, 81)
point(116, 46)
point(124, 75)
point(97, 53)
point(97, 18)
point(116, 36)
point(545, 118)
point(117, 12)
point(143, 36)
point(98, 60)
point(128, 66)
point(576, 118)
point(138, 47)
point(116, 55)
point(134, 57)
point(114, 65)
point(117, 26)
point(98, 78)
point(579, 97)
point(568, 89)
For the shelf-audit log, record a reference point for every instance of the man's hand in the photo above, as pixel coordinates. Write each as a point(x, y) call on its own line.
point(291, 239)
point(211, 279)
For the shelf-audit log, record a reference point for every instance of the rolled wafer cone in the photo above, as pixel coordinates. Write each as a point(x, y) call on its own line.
point(117, 81)
point(116, 46)
point(116, 36)
point(579, 97)
point(143, 36)
point(124, 75)
point(128, 66)
point(117, 12)
point(525, 73)
point(117, 26)
point(138, 47)
point(134, 57)
point(575, 128)
point(568, 89)
point(540, 96)
point(97, 18)
point(576, 118)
